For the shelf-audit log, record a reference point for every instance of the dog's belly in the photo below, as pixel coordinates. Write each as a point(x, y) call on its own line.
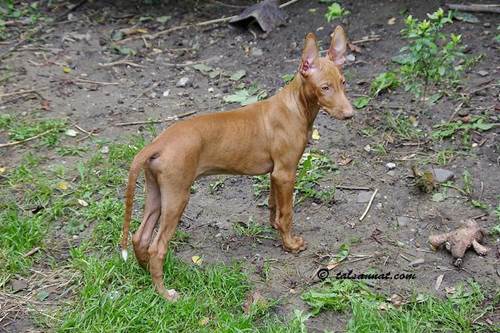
point(258, 167)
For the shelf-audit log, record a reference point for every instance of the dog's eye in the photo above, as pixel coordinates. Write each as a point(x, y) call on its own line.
point(325, 88)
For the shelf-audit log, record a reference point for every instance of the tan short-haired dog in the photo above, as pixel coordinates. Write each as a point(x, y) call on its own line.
point(265, 137)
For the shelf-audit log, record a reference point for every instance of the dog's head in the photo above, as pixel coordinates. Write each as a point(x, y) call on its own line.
point(323, 75)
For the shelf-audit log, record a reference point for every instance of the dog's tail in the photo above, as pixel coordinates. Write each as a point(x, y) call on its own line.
point(135, 169)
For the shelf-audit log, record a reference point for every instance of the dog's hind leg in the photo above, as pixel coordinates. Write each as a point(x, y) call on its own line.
point(174, 198)
point(142, 238)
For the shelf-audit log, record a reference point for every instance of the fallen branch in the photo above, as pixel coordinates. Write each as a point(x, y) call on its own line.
point(154, 85)
point(457, 109)
point(121, 62)
point(31, 252)
point(191, 63)
point(21, 92)
point(8, 144)
point(475, 8)
point(369, 205)
point(96, 82)
point(180, 116)
point(187, 26)
point(354, 188)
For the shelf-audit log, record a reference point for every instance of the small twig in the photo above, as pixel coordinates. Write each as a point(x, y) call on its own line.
point(354, 188)
point(83, 131)
point(455, 188)
point(457, 109)
point(121, 62)
point(8, 144)
point(20, 92)
point(479, 216)
point(369, 205)
point(95, 82)
point(367, 39)
point(359, 259)
point(180, 116)
point(154, 85)
point(404, 257)
point(31, 252)
point(475, 8)
point(191, 63)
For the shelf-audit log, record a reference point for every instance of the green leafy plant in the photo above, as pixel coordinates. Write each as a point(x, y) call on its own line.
point(334, 11)
point(313, 167)
point(246, 96)
point(384, 81)
point(450, 129)
point(431, 57)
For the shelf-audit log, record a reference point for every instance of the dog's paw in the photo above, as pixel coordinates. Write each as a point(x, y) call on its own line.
point(296, 245)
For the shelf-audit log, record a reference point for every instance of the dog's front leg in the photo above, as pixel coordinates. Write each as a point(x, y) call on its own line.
point(283, 183)
point(272, 205)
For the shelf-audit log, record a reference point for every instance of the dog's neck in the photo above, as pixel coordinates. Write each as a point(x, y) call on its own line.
point(299, 98)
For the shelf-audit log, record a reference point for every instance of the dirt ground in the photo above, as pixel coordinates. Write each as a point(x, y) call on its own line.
point(383, 244)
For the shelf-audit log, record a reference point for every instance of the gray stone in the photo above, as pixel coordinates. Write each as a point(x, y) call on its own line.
point(183, 82)
point(391, 173)
point(483, 73)
point(18, 285)
point(256, 52)
point(364, 196)
point(403, 221)
point(442, 175)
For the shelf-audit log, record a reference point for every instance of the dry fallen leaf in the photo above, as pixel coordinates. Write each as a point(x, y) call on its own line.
point(396, 300)
point(315, 134)
point(83, 203)
point(66, 69)
point(197, 260)
point(2, 170)
point(391, 21)
point(449, 290)
point(203, 321)
point(439, 280)
point(344, 160)
point(45, 104)
point(63, 186)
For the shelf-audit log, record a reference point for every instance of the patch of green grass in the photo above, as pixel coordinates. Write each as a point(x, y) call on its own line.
point(379, 149)
point(402, 127)
point(71, 151)
point(19, 130)
point(216, 186)
point(444, 156)
point(372, 312)
point(313, 167)
point(118, 297)
point(252, 229)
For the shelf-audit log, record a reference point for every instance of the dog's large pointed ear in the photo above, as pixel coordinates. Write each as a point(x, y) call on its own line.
point(310, 55)
point(338, 46)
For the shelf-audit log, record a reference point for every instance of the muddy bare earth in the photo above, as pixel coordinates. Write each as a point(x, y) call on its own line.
point(395, 231)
